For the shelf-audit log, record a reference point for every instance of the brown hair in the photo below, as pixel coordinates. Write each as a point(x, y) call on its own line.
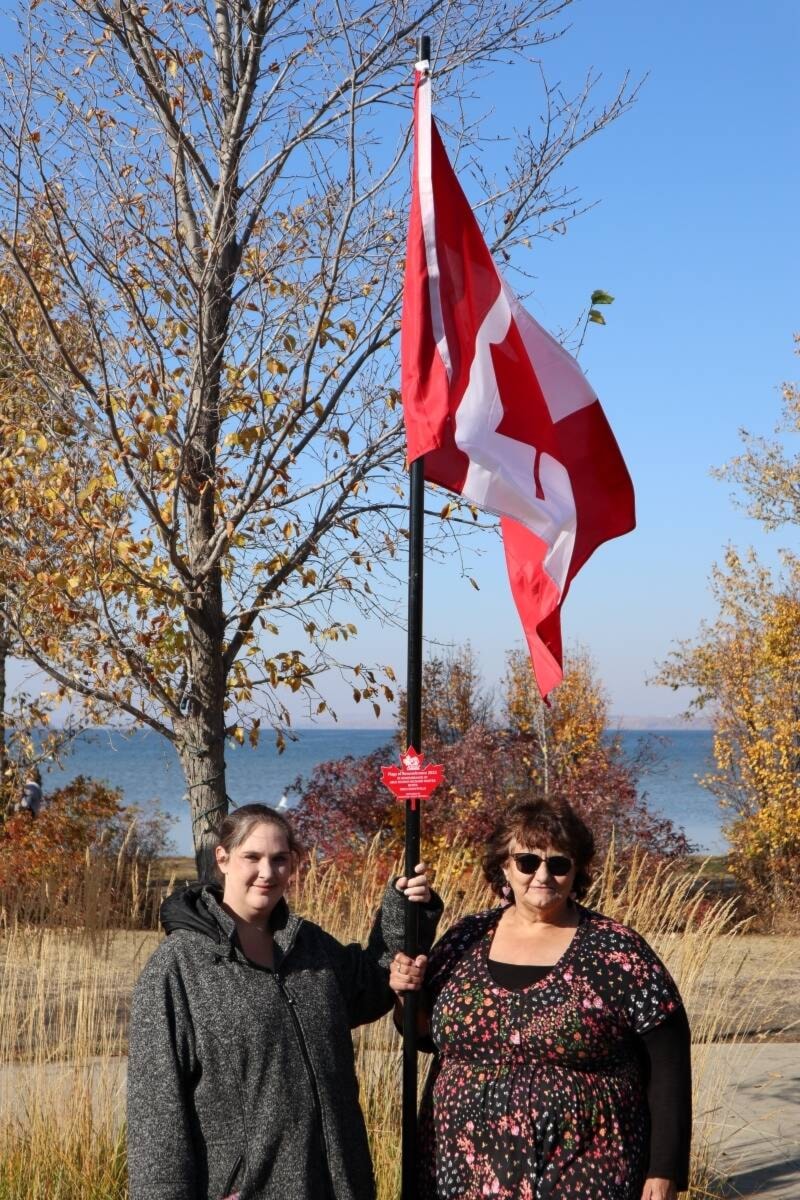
point(546, 822)
point(238, 825)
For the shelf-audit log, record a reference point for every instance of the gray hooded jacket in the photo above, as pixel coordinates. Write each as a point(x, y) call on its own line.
point(241, 1080)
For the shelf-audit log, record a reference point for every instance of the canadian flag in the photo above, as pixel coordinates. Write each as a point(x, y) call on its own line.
point(503, 414)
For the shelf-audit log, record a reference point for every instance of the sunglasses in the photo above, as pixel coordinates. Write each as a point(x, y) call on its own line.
point(557, 864)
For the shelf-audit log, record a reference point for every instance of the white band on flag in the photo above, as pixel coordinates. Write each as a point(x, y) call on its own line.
point(500, 476)
point(427, 214)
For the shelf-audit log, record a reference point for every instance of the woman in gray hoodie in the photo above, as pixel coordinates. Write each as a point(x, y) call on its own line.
point(241, 1078)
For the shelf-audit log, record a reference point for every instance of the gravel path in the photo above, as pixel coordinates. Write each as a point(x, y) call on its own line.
point(759, 1130)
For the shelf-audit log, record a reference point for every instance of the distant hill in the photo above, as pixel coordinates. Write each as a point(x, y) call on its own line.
point(632, 721)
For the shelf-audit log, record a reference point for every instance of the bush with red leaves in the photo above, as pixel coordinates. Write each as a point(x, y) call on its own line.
point(343, 803)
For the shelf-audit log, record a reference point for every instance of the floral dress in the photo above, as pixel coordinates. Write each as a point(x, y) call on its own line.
point(539, 1094)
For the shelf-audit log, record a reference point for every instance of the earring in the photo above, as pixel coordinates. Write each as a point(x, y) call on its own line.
point(506, 891)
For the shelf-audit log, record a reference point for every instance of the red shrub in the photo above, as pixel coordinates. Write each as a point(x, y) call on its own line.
point(343, 803)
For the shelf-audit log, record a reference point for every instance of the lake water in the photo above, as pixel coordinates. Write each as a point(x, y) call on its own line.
point(145, 767)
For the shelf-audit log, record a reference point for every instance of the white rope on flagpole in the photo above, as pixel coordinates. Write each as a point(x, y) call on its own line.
point(427, 209)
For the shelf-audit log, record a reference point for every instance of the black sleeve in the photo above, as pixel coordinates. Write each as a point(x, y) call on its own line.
point(669, 1095)
point(363, 980)
point(363, 974)
point(393, 921)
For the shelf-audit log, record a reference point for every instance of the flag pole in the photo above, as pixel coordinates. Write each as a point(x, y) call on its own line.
point(413, 807)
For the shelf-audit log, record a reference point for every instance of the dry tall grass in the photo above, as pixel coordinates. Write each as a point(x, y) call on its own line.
point(70, 951)
point(64, 999)
point(108, 891)
point(63, 1019)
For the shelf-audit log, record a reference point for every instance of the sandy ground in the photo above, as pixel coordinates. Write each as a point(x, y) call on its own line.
point(759, 1125)
point(766, 973)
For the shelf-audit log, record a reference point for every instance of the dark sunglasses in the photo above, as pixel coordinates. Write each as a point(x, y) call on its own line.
point(557, 864)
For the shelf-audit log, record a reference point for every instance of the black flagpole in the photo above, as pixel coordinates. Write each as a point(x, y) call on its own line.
point(413, 809)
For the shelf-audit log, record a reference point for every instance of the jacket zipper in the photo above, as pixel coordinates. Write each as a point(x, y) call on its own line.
point(311, 1077)
point(232, 1177)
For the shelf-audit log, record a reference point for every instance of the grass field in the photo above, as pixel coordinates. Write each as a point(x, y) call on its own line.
point(713, 866)
point(65, 995)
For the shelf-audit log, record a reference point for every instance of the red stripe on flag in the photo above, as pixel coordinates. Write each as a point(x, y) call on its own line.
point(604, 501)
point(537, 600)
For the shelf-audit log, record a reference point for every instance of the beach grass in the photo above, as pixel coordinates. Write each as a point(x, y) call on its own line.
point(97, 895)
point(65, 994)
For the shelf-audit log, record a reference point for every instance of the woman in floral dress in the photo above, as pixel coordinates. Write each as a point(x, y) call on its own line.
point(562, 1067)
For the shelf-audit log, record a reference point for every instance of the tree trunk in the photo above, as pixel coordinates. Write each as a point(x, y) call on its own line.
point(4, 782)
point(201, 734)
point(202, 747)
point(204, 771)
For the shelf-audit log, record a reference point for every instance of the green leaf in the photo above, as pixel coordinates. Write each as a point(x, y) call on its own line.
point(601, 297)
point(596, 316)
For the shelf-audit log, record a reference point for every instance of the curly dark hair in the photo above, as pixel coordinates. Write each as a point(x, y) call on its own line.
point(543, 823)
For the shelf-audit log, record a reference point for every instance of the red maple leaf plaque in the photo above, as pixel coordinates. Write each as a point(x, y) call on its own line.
point(412, 780)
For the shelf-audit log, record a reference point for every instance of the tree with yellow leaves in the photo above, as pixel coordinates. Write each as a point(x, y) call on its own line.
point(569, 751)
point(745, 666)
point(225, 186)
point(34, 465)
point(568, 732)
point(456, 698)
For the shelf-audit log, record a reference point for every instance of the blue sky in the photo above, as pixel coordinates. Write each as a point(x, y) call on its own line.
point(694, 236)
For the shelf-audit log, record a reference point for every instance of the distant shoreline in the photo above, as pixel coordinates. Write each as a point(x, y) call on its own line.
point(145, 768)
point(661, 724)
point(629, 722)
